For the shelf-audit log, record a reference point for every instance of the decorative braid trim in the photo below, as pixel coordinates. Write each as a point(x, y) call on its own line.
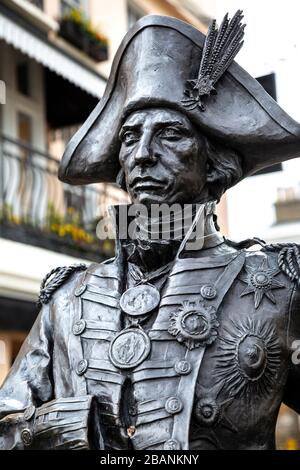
point(58, 277)
point(288, 259)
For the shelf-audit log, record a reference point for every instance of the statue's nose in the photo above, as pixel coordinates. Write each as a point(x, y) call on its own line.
point(145, 154)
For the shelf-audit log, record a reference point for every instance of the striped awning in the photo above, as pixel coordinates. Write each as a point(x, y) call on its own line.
point(51, 57)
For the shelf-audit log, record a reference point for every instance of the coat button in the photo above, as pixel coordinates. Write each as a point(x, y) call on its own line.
point(173, 405)
point(29, 412)
point(80, 290)
point(172, 444)
point(132, 410)
point(82, 367)
point(26, 437)
point(208, 292)
point(183, 367)
point(79, 327)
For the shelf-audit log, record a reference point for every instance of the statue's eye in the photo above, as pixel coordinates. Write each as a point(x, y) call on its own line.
point(171, 133)
point(129, 137)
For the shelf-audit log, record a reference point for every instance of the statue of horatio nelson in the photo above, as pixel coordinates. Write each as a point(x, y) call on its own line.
point(170, 345)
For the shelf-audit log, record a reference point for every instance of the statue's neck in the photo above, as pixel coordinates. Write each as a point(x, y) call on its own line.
point(212, 236)
point(162, 250)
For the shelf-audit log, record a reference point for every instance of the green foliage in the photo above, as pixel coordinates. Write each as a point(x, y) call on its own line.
point(77, 16)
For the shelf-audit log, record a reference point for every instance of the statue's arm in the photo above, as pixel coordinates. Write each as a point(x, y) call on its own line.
point(27, 384)
point(30, 416)
point(292, 391)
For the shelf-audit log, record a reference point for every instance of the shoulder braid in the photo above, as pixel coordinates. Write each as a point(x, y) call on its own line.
point(57, 277)
point(288, 259)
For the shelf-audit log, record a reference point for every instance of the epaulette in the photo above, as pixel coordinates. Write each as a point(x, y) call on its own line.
point(245, 244)
point(288, 259)
point(55, 279)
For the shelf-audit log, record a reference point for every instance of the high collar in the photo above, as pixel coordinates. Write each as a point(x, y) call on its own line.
point(166, 250)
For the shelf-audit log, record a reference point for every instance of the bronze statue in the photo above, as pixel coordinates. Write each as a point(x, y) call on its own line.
point(165, 347)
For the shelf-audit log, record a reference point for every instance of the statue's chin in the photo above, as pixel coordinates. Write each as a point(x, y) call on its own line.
point(148, 198)
point(148, 202)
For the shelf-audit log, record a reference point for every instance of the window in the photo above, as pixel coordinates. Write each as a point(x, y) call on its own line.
point(134, 13)
point(67, 5)
point(24, 128)
point(23, 78)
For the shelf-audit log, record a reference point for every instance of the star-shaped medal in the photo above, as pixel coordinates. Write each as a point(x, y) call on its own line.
point(261, 281)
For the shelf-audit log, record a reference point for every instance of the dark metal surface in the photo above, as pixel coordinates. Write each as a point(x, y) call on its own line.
point(209, 366)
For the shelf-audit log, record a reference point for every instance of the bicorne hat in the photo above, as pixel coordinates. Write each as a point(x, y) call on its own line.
point(165, 62)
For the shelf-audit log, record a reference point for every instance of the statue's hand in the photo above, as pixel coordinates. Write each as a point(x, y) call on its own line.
point(66, 423)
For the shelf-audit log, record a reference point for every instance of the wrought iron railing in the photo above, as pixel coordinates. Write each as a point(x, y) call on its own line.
point(37, 209)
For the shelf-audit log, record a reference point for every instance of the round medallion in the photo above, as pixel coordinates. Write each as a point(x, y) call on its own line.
point(208, 292)
point(173, 405)
point(172, 444)
point(261, 280)
point(207, 412)
point(252, 356)
point(26, 437)
point(82, 367)
point(79, 327)
point(139, 300)
point(29, 413)
point(183, 367)
point(194, 325)
point(129, 348)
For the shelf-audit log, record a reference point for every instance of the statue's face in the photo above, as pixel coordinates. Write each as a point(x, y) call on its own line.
point(162, 157)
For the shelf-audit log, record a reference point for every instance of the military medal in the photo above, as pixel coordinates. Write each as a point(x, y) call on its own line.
point(193, 324)
point(140, 300)
point(261, 282)
point(129, 348)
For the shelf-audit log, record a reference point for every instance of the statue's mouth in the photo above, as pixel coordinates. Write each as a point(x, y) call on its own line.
point(146, 183)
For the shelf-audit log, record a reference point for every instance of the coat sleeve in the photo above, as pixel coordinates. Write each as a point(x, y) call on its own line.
point(292, 391)
point(28, 384)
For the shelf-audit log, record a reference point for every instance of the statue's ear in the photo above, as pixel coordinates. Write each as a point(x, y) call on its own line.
point(212, 175)
point(213, 179)
point(214, 183)
point(223, 169)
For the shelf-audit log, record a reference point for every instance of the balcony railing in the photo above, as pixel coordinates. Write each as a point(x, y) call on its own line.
point(37, 209)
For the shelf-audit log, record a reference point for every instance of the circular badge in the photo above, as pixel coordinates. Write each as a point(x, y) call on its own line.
point(252, 356)
point(194, 325)
point(261, 280)
point(172, 444)
point(139, 300)
point(208, 292)
point(207, 411)
point(129, 348)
